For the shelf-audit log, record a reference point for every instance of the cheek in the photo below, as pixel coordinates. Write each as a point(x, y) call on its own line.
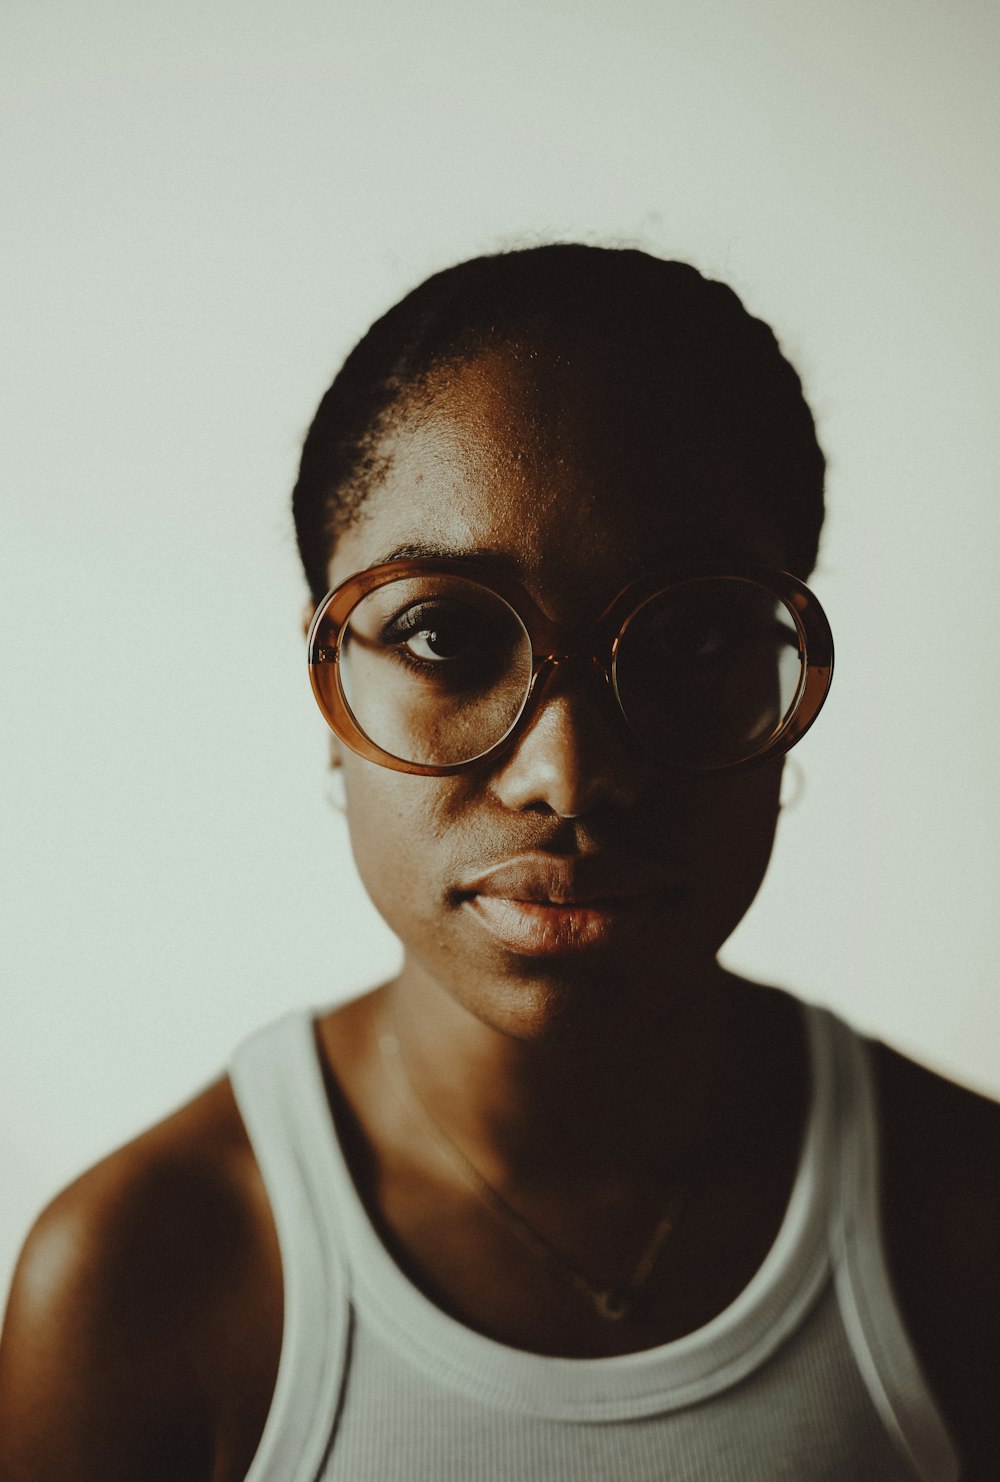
point(732, 845)
point(398, 836)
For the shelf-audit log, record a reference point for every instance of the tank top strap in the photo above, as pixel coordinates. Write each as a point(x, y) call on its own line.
point(882, 1348)
point(278, 1085)
point(328, 1249)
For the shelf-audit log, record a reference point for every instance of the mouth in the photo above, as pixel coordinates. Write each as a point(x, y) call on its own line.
point(541, 905)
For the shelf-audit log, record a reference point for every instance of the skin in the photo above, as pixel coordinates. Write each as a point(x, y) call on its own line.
point(495, 466)
point(144, 1327)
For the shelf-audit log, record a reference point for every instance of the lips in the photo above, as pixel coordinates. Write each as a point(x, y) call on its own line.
point(539, 904)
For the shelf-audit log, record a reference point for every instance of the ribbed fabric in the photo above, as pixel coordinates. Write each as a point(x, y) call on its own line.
point(807, 1376)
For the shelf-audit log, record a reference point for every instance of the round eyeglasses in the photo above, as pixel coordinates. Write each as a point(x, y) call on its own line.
point(430, 666)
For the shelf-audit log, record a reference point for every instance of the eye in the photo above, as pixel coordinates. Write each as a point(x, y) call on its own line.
point(708, 631)
point(704, 641)
point(436, 633)
point(431, 646)
point(442, 634)
point(454, 643)
point(688, 637)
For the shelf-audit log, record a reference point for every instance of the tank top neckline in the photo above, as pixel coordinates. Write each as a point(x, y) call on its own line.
point(670, 1375)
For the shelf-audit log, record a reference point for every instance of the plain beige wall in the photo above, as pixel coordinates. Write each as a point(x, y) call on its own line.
point(204, 206)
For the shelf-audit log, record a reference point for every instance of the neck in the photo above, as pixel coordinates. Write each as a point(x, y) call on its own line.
point(601, 1095)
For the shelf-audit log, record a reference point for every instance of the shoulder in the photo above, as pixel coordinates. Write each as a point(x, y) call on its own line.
point(941, 1145)
point(128, 1310)
point(941, 1201)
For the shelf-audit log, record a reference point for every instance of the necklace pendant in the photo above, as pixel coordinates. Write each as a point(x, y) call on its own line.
point(612, 1305)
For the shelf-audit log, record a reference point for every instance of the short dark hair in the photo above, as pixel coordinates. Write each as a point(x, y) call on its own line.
point(724, 379)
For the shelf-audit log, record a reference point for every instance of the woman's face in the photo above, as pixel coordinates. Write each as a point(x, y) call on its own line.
point(569, 871)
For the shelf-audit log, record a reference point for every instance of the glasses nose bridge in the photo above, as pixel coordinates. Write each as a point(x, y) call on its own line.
point(578, 663)
point(584, 645)
point(580, 659)
point(573, 651)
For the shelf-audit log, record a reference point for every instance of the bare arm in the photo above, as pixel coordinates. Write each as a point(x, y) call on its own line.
point(143, 1327)
point(942, 1208)
point(94, 1383)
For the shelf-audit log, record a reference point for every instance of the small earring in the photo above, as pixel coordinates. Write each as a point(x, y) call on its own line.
point(336, 794)
point(793, 785)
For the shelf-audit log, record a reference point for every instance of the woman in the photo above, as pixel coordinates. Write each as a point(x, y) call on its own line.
point(565, 1198)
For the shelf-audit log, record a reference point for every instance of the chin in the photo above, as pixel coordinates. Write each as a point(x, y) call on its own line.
point(595, 993)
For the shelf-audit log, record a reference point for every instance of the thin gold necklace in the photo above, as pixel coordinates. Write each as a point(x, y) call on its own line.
point(613, 1303)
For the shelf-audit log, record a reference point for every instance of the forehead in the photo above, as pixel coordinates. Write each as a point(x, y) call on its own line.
point(550, 466)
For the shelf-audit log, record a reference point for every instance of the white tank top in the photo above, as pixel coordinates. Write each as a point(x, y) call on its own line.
point(807, 1376)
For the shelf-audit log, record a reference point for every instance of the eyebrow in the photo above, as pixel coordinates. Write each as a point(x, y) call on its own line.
point(428, 551)
point(722, 554)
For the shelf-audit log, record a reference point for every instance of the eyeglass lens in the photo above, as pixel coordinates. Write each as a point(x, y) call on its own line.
point(436, 669)
point(709, 671)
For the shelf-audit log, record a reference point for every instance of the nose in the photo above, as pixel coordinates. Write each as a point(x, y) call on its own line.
point(576, 754)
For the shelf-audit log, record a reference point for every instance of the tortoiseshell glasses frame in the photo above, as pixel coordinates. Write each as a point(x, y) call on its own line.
point(597, 644)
